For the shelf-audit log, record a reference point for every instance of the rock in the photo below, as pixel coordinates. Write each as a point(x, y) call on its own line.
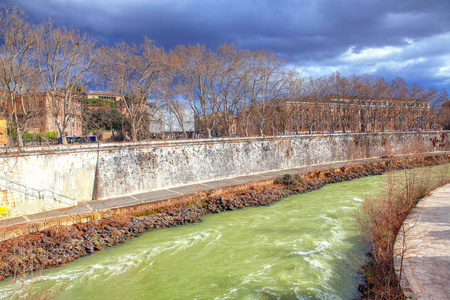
point(117, 233)
point(98, 247)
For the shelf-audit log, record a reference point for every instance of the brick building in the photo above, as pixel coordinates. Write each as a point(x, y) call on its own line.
point(43, 114)
point(289, 116)
point(114, 97)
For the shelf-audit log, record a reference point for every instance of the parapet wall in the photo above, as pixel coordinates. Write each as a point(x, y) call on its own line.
point(101, 171)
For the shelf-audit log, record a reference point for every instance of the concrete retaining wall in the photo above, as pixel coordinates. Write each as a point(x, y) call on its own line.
point(102, 171)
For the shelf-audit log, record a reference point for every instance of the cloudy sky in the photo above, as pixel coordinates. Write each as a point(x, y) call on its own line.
point(405, 38)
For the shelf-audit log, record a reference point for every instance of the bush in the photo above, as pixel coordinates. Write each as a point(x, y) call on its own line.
point(101, 101)
point(34, 137)
point(289, 179)
point(381, 219)
point(50, 134)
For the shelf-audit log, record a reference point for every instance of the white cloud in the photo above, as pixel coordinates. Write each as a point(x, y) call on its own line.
point(417, 59)
point(444, 69)
point(409, 41)
point(350, 56)
point(316, 70)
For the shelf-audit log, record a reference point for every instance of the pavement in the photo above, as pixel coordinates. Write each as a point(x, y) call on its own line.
point(425, 271)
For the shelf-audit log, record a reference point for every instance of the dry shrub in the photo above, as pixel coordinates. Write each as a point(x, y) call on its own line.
point(289, 179)
point(381, 219)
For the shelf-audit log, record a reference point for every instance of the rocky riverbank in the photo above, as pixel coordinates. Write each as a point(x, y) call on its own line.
point(59, 245)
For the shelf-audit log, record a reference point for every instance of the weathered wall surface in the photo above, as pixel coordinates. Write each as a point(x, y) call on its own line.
point(110, 170)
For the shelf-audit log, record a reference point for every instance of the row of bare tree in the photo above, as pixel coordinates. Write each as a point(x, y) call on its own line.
point(356, 102)
point(231, 88)
point(59, 62)
point(37, 62)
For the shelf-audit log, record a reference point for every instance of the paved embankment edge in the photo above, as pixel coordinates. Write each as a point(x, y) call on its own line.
point(422, 248)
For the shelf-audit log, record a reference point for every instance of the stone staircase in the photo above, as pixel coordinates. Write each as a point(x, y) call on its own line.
point(21, 200)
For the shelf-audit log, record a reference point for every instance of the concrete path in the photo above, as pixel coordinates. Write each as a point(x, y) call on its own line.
point(92, 206)
point(426, 235)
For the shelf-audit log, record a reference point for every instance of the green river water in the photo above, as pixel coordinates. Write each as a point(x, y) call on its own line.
point(305, 247)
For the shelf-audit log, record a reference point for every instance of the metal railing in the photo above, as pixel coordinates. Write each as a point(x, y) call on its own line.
point(41, 195)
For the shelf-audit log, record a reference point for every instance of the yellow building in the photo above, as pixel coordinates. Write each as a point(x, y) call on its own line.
point(3, 135)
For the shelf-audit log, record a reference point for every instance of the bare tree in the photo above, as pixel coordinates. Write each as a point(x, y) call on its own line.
point(267, 81)
point(168, 93)
point(17, 71)
point(432, 103)
point(197, 71)
point(132, 71)
point(350, 116)
point(294, 110)
point(443, 114)
point(65, 57)
point(377, 93)
point(398, 94)
point(230, 84)
point(337, 86)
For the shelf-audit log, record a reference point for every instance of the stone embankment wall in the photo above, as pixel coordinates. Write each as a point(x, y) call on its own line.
point(101, 171)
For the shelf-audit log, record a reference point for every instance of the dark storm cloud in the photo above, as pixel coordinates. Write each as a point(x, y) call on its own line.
point(316, 36)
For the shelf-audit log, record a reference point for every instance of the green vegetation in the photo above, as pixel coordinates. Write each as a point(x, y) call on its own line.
point(148, 212)
point(36, 136)
point(33, 137)
point(99, 101)
point(103, 117)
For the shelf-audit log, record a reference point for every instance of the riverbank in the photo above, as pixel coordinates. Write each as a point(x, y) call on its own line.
point(59, 245)
point(381, 221)
point(422, 248)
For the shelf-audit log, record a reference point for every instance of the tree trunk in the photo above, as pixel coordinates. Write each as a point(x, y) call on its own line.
point(229, 131)
point(133, 133)
point(62, 134)
point(19, 138)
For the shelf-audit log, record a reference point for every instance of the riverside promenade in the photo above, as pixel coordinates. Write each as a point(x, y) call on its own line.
point(424, 241)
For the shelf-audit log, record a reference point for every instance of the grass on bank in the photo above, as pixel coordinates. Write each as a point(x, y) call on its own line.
point(382, 217)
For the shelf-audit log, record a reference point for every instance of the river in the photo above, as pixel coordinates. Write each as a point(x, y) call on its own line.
point(305, 246)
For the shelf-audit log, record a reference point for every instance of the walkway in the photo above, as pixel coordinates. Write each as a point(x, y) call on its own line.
point(26, 224)
point(426, 263)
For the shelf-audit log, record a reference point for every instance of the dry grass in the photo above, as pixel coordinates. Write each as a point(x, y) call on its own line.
point(381, 220)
